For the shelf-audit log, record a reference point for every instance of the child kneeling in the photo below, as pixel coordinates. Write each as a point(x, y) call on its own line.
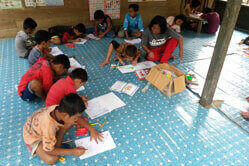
point(124, 51)
point(43, 131)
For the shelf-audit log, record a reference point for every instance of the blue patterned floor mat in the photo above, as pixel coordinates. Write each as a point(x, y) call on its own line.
point(150, 130)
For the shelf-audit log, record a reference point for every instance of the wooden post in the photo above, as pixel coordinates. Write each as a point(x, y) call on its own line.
point(220, 50)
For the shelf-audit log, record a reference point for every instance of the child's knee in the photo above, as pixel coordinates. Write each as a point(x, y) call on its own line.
point(50, 160)
point(35, 85)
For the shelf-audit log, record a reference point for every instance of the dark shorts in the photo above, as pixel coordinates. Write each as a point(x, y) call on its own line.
point(28, 94)
point(115, 44)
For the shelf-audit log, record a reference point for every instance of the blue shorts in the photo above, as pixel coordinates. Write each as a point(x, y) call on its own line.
point(28, 94)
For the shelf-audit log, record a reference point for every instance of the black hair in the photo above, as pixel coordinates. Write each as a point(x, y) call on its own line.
point(63, 60)
point(181, 17)
point(135, 7)
point(160, 21)
point(29, 23)
point(131, 51)
point(81, 28)
point(41, 36)
point(207, 10)
point(195, 3)
point(99, 14)
point(71, 104)
point(246, 41)
point(79, 73)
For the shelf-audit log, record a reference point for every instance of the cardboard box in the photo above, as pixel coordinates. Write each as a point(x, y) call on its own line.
point(165, 83)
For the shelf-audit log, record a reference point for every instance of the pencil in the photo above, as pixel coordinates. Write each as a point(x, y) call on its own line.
point(94, 124)
point(103, 124)
point(67, 141)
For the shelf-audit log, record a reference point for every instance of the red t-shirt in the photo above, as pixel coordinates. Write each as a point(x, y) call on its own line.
point(39, 71)
point(61, 88)
point(66, 36)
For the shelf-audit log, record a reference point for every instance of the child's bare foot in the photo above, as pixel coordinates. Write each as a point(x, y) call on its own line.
point(104, 63)
point(245, 115)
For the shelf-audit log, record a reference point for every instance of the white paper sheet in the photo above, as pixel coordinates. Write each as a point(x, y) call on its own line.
point(139, 66)
point(82, 41)
point(55, 51)
point(103, 104)
point(80, 89)
point(133, 41)
point(74, 64)
point(93, 148)
point(91, 36)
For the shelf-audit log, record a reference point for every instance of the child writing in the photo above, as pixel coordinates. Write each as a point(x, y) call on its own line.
point(192, 8)
point(124, 51)
point(133, 24)
point(65, 86)
point(102, 25)
point(39, 78)
point(21, 45)
point(159, 41)
point(44, 129)
point(42, 47)
point(176, 22)
point(66, 34)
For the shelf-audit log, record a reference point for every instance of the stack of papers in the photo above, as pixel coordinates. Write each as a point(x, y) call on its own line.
point(93, 148)
point(82, 41)
point(139, 66)
point(91, 36)
point(74, 64)
point(133, 41)
point(55, 51)
point(123, 87)
point(103, 104)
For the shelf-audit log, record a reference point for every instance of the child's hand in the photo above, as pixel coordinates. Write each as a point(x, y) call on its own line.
point(78, 151)
point(104, 63)
point(134, 63)
point(86, 38)
point(128, 38)
point(101, 35)
point(181, 55)
point(151, 54)
point(95, 135)
point(122, 62)
point(77, 40)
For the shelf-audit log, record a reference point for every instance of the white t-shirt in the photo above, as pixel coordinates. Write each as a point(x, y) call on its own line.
point(20, 39)
point(170, 21)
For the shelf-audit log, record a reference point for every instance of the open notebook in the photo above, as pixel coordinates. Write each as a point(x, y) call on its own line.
point(82, 41)
point(123, 87)
point(55, 51)
point(93, 148)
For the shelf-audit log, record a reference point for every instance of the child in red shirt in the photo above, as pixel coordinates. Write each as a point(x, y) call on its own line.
point(39, 78)
point(68, 85)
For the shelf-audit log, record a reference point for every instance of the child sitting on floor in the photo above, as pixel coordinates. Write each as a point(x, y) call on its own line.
point(159, 41)
point(124, 51)
point(65, 86)
point(39, 78)
point(44, 129)
point(213, 19)
point(176, 22)
point(66, 34)
point(23, 42)
point(133, 24)
point(42, 47)
point(102, 25)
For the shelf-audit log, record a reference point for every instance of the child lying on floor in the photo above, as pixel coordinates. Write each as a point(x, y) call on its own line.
point(41, 49)
point(66, 34)
point(22, 45)
point(245, 41)
point(124, 51)
point(65, 86)
point(43, 131)
point(37, 81)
